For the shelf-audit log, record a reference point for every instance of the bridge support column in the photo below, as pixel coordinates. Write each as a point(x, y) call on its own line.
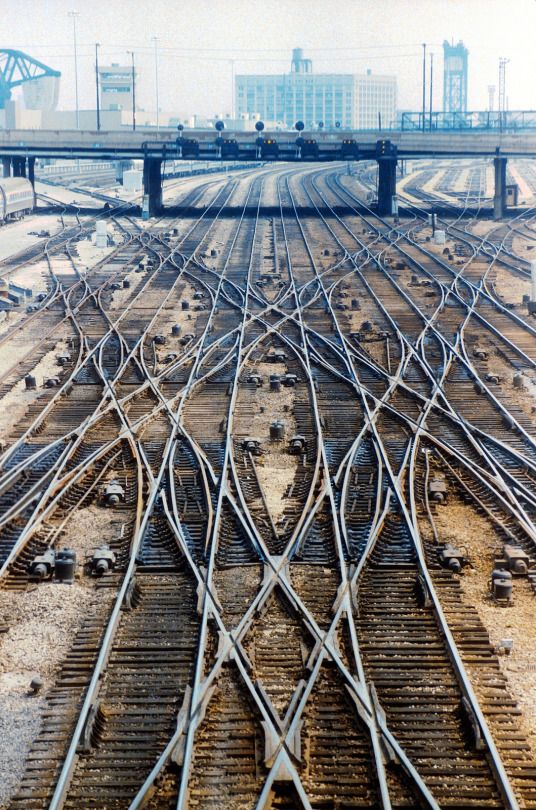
point(499, 199)
point(19, 167)
point(152, 187)
point(6, 167)
point(31, 171)
point(386, 186)
point(120, 167)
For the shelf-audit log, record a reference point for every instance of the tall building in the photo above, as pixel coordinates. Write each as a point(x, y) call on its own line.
point(455, 77)
point(116, 87)
point(355, 101)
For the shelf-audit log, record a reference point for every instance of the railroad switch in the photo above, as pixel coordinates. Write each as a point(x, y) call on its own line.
point(505, 646)
point(198, 295)
point(501, 585)
point(252, 445)
point(289, 380)
point(279, 356)
point(169, 358)
point(297, 445)
point(113, 493)
point(65, 568)
point(277, 431)
point(51, 382)
point(256, 379)
point(102, 561)
point(42, 566)
point(437, 490)
point(159, 340)
point(481, 354)
point(187, 337)
point(515, 560)
point(63, 359)
point(492, 378)
point(451, 558)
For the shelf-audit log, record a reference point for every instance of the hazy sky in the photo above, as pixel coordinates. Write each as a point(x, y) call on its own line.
point(198, 40)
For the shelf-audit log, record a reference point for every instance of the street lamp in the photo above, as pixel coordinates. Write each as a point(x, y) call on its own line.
point(74, 15)
point(423, 84)
point(133, 92)
point(97, 46)
point(155, 40)
point(431, 86)
point(233, 113)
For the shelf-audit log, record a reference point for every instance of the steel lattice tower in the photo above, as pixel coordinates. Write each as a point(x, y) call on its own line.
point(455, 77)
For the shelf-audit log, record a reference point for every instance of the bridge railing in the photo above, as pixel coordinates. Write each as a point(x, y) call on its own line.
point(510, 120)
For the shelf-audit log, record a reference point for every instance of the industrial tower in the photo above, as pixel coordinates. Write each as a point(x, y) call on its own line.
point(455, 77)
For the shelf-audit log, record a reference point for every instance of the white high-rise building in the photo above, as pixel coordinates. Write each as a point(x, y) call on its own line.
point(353, 101)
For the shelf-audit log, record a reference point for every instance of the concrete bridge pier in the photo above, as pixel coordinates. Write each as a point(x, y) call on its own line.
point(499, 199)
point(19, 167)
point(120, 167)
point(386, 186)
point(152, 187)
point(31, 171)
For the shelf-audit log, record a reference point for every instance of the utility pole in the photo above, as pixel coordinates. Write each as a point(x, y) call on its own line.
point(431, 86)
point(233, 113)
point(74, 15)
point(133, 92)
point(423, 85)
point(502, 89)
point(155, 40)
point(97, 83)
point(491, 97)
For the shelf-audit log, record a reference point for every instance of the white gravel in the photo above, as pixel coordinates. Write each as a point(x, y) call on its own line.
point(43, 621)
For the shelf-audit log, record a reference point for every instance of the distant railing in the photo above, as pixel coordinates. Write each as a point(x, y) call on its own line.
point(510, 120)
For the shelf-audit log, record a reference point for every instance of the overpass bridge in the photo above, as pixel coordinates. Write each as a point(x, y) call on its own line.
point(20, 148)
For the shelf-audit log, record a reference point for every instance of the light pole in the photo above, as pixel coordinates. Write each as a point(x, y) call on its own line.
point(233, 113)
point(431, 86)
point(155, 40)
point(502, 91)
point(97, 46)
point(423, 84)
point(133, 92)
point(74, 15)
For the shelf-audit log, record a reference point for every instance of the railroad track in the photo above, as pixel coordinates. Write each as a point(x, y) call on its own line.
point(273, 394)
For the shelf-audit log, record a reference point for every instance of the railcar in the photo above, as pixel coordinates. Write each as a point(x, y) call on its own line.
point(17, 198)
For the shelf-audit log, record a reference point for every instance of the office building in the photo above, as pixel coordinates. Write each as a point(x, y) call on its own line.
point(353, 101)
point(116, 87)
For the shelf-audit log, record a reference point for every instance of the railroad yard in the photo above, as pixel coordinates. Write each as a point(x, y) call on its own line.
point(267, 494)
